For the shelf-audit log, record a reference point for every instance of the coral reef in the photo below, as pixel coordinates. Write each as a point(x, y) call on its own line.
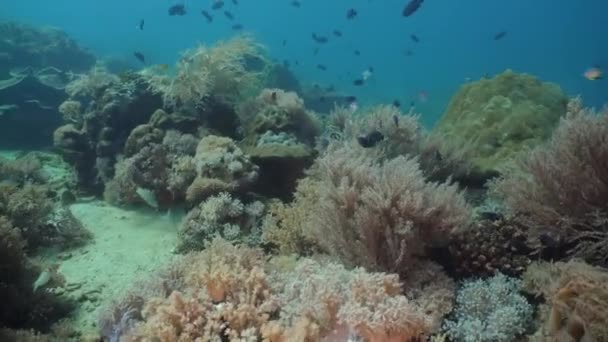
point(381, 216)
point(222, 216)
point(33, 74)
point(491, 246)
point(220, 72)
point(559, 190)
point(279, 136)
point(220, 166)
point(576, 297)
point(229, 292)
point(439, 158)
point(23, 307)
point(29, 99)
point(502, 116)
point(112, 108)
point(489, 310)
point(28, 46)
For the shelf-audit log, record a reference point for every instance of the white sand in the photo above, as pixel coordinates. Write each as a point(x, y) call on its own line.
point(127, 245)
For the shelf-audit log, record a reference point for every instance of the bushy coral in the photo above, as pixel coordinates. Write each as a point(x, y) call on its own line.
point(403, 135)
point(232, 293)
point(223, 216)
point(501, 117)
point(220, 72)
point(576, 296)
point(560, 190)
point(489, 310)
point(382, 215)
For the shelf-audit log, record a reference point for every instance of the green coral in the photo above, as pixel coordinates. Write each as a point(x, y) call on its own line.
point(502, 116)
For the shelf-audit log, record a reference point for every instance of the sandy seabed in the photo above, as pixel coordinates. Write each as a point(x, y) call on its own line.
point(128, 245)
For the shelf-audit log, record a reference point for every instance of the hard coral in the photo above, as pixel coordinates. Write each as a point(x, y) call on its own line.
point(223, 216)
point(489, 310)
point(502, 116)
point(560, 190)
point(221, 166)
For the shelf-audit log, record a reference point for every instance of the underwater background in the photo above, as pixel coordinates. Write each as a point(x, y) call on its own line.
point(555, 40)
point(303, 170)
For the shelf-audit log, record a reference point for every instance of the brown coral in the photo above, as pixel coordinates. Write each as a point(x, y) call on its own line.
point(577, 298)
point(561, 189)
point(381, 216)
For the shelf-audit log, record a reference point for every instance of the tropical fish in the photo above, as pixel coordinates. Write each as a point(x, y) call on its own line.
point(337, 33)
point(207, 16)
point(177, 9)
point(140, 26)
point(358, 82)
point(217, 4)
point(414, 38)
point(319, 39)
point(351, 14)
point(296, 4)
point(229, 15)
point(237, 27)
point(371, 139)
point(412, 7)
point(593, 74)
point(140, 56)
point(500, 35)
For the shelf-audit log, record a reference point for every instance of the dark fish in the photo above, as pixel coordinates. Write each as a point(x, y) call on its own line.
point(218, 4)
point(229, 15)
point(321, 67)
point(140, 56)
point(284, 42)
point(177, 9)
point(371, 139)
point(273, 96)
point(337, 33)
point(141, 25)
point(296, 4)
point(396, 119)
point(350, 99)
point(408, 53)
point(207, 16)
point(330, 88)
point(397, 104)
point(500, 35)
point(286, 63)
point(321, 98)
point(358, 82)
point(237, 27)
point(415, 38)
point(412, 7)
point(351, 14)
point(357, 53)
point(319, 39)
point(315, 51)
point(236, 2)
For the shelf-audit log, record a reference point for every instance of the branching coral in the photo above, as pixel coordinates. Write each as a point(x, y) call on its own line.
point(232, 293)
point(382, 215)
point(489, 310)
point(439, 158)
point(560, 191)
point(90, 84)
point(220, 71)
point(223, 216)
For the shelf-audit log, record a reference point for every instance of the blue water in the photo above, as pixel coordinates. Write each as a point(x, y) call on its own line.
point(553, 39)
